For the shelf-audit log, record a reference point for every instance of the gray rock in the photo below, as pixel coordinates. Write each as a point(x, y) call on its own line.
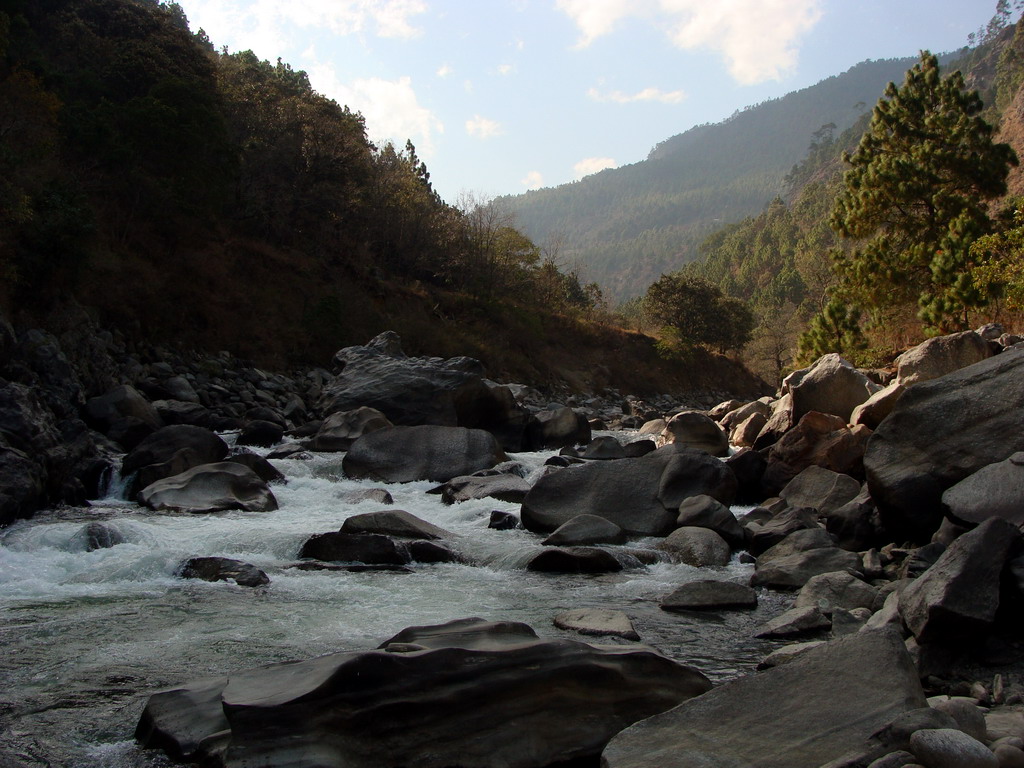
point(604, 448)
point(464, 693)
point(339, 430)
point(821, 489)
point(872, 411)
point(705, 512)
point(172, 450)
point(993, 491)
point(406, 454)
point(698, 547)
point(941, 355)
point(824, 704)
point(940, 432)
point(805, 620)
point(376, 495)
point(260, 433)
point(697, 430)
point(211, 488)
point(957, 597)
point(558, 428)
point(897, 759)
point(510, 488)
point(787, 653)
point(951, 748)
point(968, 715)
point(836, 590)
point(746, 432)
point(367, 548)
point(797, 529)
point(793, 571)
point(223, 569)
point(394, 522)
point(831, 385)
point(639, 495)
point(709, 594)
point(95, 535)
point(599, 622)
point(584, 530)
point(574, 560)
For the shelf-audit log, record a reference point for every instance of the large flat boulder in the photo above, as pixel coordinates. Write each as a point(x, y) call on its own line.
point(465, 693)
point(407, 454)
point(823, 705)
point(993, 491)
point(639, 495)
point(939, 432)
point(211, 488)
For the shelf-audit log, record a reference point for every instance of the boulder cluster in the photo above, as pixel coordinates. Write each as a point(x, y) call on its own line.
point(888, 504)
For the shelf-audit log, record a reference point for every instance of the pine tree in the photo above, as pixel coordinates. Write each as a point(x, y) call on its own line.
point(914, 198)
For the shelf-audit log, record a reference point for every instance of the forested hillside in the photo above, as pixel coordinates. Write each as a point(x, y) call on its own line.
point(626, 226)
point(907, 224)
point(186, 195)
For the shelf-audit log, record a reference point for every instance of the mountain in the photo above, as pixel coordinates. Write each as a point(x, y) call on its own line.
point(626, 226)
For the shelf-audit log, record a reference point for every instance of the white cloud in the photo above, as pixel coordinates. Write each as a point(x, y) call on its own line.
point(647, 94)
point(390, 107)
point(533, 180)
point(505, 69)
point(444, 70)
point(589, 165)
point(596, 18)
point(757, 38)
point(482, 128)
point(268, 26)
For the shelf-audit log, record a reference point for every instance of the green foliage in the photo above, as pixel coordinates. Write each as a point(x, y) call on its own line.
point(835, 329)
point(914, 198)
point(1000, 256)
point(695, 312)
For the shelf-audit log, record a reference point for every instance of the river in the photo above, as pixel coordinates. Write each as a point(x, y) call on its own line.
point(87, 636)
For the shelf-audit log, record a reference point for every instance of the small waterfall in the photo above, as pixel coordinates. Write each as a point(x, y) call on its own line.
point(112, 486)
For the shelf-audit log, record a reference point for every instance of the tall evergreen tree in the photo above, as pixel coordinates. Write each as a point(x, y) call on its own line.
point(914, 198)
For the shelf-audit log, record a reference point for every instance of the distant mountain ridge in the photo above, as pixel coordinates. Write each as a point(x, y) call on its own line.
point(626, 226)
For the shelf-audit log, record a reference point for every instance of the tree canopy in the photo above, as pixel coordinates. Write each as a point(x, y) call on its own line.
point(914, 198)
point(696, 312)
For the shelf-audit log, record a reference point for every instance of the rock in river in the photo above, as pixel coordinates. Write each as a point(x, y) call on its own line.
point(467, 693)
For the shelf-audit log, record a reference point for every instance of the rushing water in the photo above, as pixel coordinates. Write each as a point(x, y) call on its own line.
point(86, 636)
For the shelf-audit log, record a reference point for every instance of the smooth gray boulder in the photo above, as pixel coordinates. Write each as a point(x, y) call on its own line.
point(639, 495)
point(394, 522)
point(941, 355)
point(839, 589)
point(993, 491)
point(951, 748)
point(957, 598)
point(702, 511)
point(170, 451)
point(467, 693)
point(830, 385)
point(793, 571)
point(211, 488)
point(940, 432)
point(598, 622)
point(503, 487)
point(584, 530)
point(871, 412)
point(698, 547)
point(557, 428)
point(709, 594)
point(820, 488)
point(366, 548)
point(784, 527)
point(695, 429)
point(824, 705)
point(407, 454)
point(574, 560)
point(796, 622)
point(339, 430)
point(223, 569)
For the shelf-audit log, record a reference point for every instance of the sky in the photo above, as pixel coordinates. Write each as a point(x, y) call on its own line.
point(503, 96)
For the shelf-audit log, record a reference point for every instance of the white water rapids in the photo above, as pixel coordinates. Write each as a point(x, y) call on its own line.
point(87, 636)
